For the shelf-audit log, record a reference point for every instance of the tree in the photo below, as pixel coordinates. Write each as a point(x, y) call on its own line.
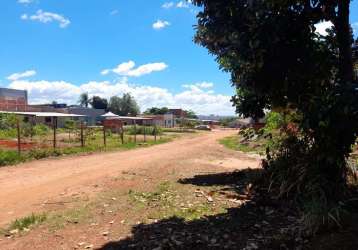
point(124, 106)
point(98, 102)
point(84, 100)
point(190, 114)
point(277, 61)
point(156, 111)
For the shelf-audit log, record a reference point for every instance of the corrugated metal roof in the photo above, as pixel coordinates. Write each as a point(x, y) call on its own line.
point(42, 114)
point(134, 118)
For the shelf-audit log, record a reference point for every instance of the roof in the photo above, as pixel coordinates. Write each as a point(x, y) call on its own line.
point(42, 114)
point(109, 114)
point(134, 118)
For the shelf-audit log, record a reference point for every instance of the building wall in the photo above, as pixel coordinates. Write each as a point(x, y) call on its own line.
point(13, 100)
point(93, 116)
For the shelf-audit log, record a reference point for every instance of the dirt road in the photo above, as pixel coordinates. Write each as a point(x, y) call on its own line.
point(26, 188)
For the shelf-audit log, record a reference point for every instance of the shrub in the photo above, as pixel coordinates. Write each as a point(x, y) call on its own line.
point(9, 158)
point(140, 130)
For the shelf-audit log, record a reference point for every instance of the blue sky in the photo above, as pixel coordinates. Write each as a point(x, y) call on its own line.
point(107, 47)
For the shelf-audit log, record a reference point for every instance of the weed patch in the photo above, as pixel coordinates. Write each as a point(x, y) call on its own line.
point(27, 222)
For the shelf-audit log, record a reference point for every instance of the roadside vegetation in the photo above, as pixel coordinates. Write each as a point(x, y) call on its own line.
point(307, 79)
point(37, 140)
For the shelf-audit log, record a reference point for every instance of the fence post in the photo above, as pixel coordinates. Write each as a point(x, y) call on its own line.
point(104, 136)
point(135, 131)
point(122, 134)
point(155, 132)
point(145, 128)
point(82, 138)
point(18, 136)
point(54, 131)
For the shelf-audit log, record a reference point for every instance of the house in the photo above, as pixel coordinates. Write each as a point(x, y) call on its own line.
point(178, 113)
point(166, 120)
point(13, 100)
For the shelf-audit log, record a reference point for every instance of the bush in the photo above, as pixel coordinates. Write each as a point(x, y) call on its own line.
point(41, 130)
point(9, 158)
point(140, 130)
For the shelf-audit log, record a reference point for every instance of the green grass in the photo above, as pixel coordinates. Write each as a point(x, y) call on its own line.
point(167, 201)
point(75, 215)
point(11, 157)
point(27, 222)
point(233, 142)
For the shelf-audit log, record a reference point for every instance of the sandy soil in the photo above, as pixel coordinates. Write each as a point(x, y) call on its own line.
point(29, 187)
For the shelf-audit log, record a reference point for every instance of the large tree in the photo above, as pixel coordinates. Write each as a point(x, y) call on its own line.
point(99, 103)
point(157, 111)
point(278, 61)
point(84, 100)
point(125, 105)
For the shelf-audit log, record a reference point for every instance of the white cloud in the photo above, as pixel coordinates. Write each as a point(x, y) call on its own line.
point(17, 76)
point(322, 27)
point(114, 12)
point(47, 17)
point(25, 1)
point(159, 24)
point(183, 4)
point(128, 69)
point(355, 28)
point(198, 99)
point(168, 5)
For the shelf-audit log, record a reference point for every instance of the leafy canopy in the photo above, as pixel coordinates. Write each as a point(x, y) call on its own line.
point(124, 106)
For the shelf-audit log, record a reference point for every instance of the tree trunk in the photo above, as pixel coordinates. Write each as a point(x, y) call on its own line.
point(344, 37)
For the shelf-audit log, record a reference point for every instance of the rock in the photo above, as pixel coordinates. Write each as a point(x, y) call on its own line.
point(89, 246)
point(15, 231)
point(106, 233)
point(81, 243)
point(114, 199)
point(111, 222)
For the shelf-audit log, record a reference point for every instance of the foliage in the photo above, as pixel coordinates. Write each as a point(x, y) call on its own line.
point(41, 130)
point(9, 158)
point(277, 61)
point(27, 222)
point(139, 130)
point(190, 114)
point(274, 120)
point(99, 103)
point(124, 106)
point(225, 122)
point(157, 111)
point(7, 121)
point(84, 100)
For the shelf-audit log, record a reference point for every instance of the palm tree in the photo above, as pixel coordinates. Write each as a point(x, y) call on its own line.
point(84, 100)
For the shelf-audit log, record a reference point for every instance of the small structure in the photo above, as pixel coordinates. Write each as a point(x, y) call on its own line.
point(109, 115)
point(166, 120)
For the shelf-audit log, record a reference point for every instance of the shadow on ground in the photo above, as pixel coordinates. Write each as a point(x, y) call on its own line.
point(252, 224)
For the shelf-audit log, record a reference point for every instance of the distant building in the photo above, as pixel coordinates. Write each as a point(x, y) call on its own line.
point(93, 116)
point(178, 113)
point(166, 120)
point(13, 99)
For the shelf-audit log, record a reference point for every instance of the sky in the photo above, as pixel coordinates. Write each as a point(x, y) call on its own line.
point(60, 49)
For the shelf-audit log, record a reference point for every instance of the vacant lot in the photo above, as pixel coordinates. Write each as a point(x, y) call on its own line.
point(88, 201)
